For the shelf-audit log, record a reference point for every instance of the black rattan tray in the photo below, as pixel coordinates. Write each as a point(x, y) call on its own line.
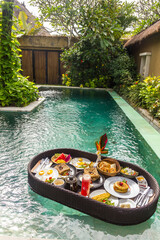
point(96, 209)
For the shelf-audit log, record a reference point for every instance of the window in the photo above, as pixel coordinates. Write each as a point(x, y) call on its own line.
point(145, 62)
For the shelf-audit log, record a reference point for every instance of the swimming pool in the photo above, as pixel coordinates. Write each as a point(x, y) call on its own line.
point(71, 118)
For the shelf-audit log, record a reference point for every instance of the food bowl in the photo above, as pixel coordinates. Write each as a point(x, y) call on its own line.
point(59, 182)
point(128, 172)
point(56, 155)
point(110, 161)
point(140, 179)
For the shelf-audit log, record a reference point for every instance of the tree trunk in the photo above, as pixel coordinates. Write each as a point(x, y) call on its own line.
point(7, 14)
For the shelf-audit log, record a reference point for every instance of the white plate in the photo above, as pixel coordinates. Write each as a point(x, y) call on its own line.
point(100, 191)
point(132, 191)
point(127, 201)
point(45, 176)
point(75, 160)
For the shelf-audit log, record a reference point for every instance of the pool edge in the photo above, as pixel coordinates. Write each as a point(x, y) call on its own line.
point(27, 108)
point(150, 135)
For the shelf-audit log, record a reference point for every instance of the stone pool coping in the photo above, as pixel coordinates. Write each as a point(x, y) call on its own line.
point(28, 108)
point(150, 134)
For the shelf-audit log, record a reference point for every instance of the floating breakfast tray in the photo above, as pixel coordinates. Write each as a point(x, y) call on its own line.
point(112, 214)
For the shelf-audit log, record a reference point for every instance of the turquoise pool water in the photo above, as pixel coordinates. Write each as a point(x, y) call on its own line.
point(75, 119)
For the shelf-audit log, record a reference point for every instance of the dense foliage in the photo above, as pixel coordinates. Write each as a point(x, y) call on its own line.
point(64, 16)
point(74, 17)
point(19, 92)
point(146, 94)
point(122, 68)
point(143, 93)
point(98, 59)
point(15, 90)
point(86, 63)
point(90, 65)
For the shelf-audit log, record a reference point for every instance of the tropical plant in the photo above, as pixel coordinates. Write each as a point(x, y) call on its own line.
point(146, 94)
point(86, 62)
point(18, 93)
point(101, 144)
point(93, 66)
point(133, 93)
point(89, 61)
point(74, 17)
point(64, 16)
point(122, 68)
point(14, 88)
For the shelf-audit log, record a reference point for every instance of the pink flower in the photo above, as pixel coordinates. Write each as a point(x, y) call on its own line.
point(81, 61)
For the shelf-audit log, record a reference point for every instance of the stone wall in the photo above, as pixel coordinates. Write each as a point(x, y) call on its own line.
point(45, 42)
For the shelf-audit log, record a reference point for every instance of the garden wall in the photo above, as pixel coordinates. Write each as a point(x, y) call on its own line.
point(41, 58)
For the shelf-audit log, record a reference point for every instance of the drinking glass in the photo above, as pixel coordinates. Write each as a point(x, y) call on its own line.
point(85, 188)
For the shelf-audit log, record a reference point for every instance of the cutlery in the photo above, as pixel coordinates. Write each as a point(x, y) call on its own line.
point(39, 166)
point(140, 200)
point(148, 196)
point(43, 164)
point(142, 189)
point(46, 162)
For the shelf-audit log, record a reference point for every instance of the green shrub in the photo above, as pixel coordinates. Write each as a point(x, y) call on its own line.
point(93, 66)
point(66, 80)
point(122, 68)
point(101, 81)
point(18, 93)
point(133, 93)
point(88, 64)
point(150, 93)
point(15, 90)
point(146, 94)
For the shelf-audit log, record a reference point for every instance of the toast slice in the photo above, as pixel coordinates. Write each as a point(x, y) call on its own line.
point(92, 172)
point(61, 168)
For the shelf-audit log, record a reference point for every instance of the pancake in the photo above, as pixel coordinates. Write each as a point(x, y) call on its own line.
point(120, 187)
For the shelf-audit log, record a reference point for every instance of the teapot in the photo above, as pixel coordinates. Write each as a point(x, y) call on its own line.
point(71, 183)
